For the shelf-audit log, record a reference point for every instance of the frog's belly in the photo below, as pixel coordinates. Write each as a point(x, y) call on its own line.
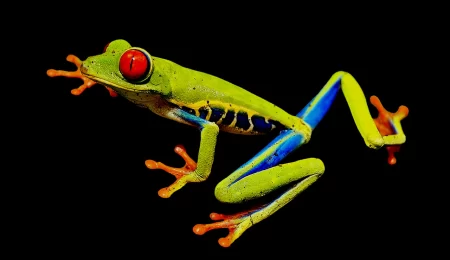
point(230, 118)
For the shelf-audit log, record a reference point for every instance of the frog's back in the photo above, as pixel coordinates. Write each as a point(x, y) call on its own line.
point(233, 108)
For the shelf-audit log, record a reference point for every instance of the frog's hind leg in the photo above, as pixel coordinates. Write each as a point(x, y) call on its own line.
point(301, 174)
point(258, 177)
point(386, 129)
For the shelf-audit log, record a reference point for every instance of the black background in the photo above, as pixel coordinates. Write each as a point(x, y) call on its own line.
point(91, 191)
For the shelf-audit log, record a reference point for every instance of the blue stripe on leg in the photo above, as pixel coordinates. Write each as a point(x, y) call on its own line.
point(272, 154)
point(316, 109)
point(289, 140)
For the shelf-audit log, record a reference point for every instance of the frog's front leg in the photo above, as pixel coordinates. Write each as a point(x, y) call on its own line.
point(87, 83)
point(191, 171)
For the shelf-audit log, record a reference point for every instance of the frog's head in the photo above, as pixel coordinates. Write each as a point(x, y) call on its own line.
point(125, 69)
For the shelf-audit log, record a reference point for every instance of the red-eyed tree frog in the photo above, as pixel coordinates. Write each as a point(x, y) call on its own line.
point(212, 104)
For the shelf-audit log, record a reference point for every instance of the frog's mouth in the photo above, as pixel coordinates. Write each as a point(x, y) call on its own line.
point(116, 87)
point(85, 72)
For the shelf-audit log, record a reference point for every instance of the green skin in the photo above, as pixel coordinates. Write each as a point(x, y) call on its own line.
point(179, 86)
point(168, 89)
point(171, 86)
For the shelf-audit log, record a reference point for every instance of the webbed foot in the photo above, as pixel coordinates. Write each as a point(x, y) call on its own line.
point(183, 174)
point(236, 224)
point(384, 123)
point(87, 83)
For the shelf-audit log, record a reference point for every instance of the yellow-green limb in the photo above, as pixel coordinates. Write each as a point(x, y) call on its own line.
point(290, 140)
point(317, 108)
point(301, 174)
point(260, 175)
point(191, 172)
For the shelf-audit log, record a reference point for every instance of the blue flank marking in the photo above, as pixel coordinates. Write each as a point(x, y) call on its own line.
point(203, 112)
point(191, 118)
point(292, 142)
point(313, 115)
point(229, 117)
point(242, 120)
point(260, 125)
point(189, 110)
point(216, 114)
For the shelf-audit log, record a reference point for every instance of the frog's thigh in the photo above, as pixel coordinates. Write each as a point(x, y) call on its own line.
point(305, 172)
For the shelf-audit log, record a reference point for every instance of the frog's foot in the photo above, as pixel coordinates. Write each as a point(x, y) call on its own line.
point(236, 224)
point(184, 174)
point(87, 83)
point(384, 123)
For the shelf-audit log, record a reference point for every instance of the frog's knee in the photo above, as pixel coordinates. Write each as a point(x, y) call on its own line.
point(339, 73)
point(224, 194)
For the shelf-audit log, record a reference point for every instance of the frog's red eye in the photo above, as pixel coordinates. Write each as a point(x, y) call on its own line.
point(134, 64)
point(106, 47)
